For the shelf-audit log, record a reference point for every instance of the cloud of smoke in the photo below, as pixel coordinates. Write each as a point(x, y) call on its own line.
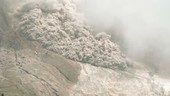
point(143, 26)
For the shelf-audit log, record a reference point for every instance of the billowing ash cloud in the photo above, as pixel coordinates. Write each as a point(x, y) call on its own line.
point(57, 26)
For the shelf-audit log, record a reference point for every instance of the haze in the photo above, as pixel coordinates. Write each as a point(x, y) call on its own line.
point(141, 25)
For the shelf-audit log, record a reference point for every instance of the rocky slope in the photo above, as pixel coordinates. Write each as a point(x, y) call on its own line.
point(95, 81)
point(29, 72)
point(34, 71)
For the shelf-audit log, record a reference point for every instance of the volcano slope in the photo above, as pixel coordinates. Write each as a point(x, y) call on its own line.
point(46, 49)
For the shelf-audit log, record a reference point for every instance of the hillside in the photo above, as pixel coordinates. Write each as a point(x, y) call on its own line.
point(46, 49)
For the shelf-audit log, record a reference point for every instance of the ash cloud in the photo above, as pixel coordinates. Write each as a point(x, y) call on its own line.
point(140, 26)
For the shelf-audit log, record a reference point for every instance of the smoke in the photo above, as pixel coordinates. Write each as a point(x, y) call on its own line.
point(142, 25)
